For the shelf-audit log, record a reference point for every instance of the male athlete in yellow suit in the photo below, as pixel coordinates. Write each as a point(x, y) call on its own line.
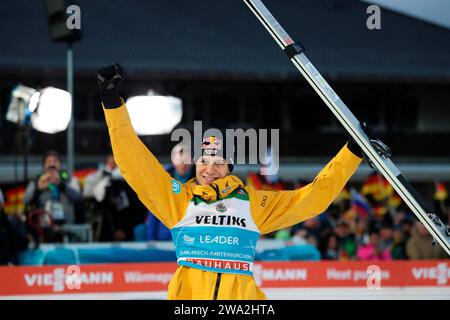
point(214, 219)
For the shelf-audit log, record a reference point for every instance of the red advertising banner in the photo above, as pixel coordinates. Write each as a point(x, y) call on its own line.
point(139, 277)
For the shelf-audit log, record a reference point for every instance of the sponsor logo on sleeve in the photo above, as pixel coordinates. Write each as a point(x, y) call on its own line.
point(264, 200)
point(176, 186)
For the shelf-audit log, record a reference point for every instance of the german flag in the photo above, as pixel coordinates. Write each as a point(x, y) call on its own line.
point(377, 186)
point(258, 182)
point(14, 200)
point(380, 210)
point(81, 174)
point(441, 192)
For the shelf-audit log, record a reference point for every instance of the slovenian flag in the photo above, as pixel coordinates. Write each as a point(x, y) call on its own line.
point(359, 203)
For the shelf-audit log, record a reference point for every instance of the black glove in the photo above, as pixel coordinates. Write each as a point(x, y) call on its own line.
point(380, 147)
point(354, 147)
point(109, 79)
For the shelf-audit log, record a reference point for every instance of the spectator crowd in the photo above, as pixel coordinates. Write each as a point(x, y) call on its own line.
point(369, 222)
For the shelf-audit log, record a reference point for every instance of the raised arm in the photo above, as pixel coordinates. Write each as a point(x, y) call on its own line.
point(274, 210)
point(163, 196)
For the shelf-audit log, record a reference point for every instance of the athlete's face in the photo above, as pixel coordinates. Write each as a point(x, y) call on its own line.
point(210, 168)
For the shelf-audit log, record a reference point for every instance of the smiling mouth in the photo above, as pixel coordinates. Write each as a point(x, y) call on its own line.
point(209, 179)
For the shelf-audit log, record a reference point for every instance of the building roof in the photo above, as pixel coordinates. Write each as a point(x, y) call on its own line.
point(223, 38)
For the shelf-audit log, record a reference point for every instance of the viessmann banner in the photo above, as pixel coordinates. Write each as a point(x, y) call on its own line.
point(138, 277)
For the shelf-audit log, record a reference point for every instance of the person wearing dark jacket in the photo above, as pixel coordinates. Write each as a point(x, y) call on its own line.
point(13, 236)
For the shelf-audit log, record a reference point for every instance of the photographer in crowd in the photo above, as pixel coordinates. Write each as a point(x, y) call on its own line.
point(52, 199)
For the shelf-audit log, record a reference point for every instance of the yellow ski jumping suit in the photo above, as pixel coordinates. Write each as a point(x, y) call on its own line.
point(179, 207)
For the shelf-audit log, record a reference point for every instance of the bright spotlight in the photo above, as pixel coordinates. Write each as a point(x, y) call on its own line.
point(53, 111)
point(48, 110)
point(152, 114)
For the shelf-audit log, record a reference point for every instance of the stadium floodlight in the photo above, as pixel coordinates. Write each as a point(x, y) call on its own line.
point(154, 114)
point(48, 110)
point(53, 110)
point(18, 109)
